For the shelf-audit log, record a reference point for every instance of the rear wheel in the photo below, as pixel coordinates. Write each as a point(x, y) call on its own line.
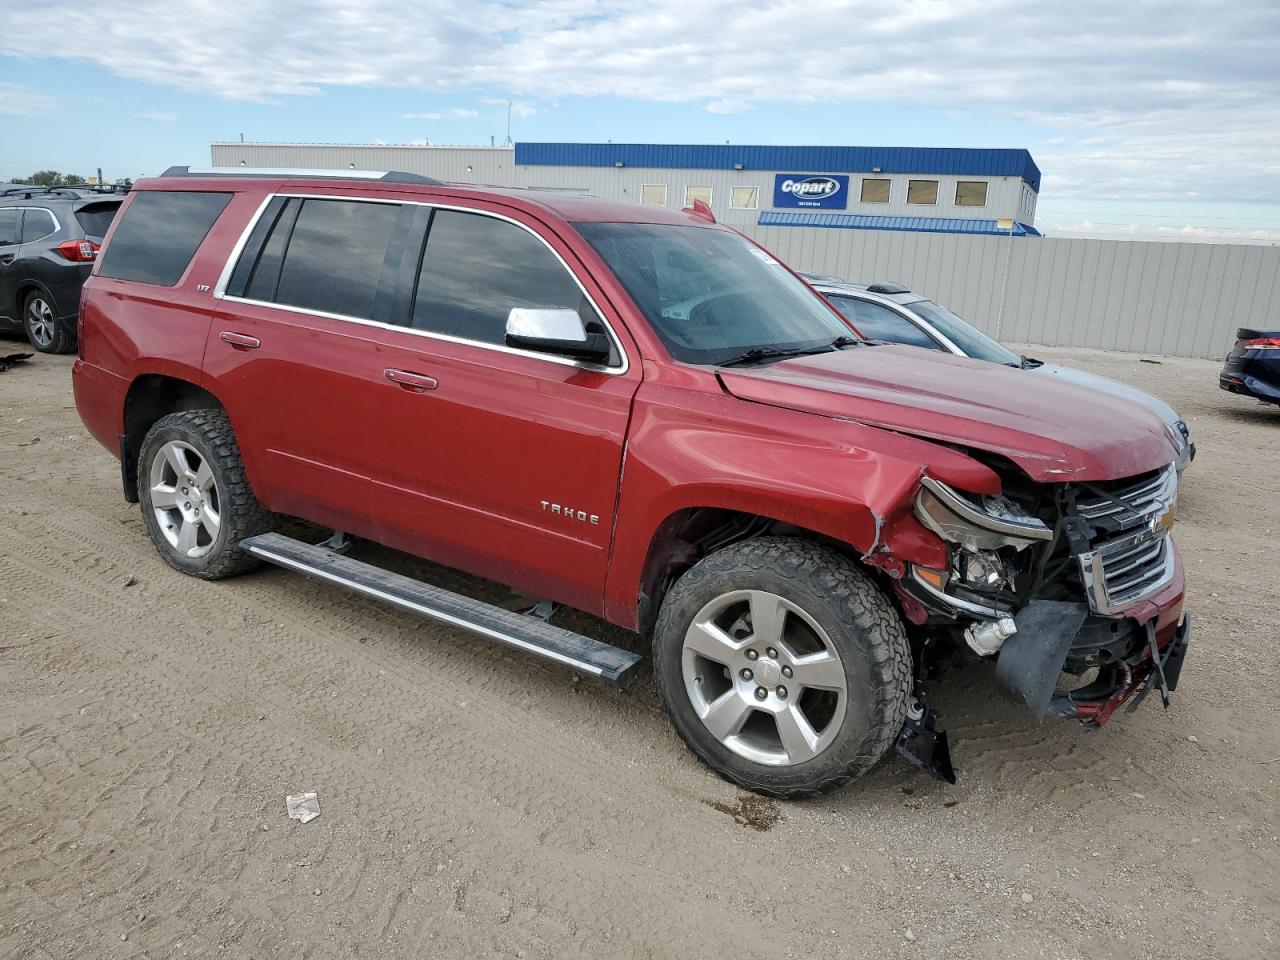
point(196, 501)
point(46, 333)
point(783, 666)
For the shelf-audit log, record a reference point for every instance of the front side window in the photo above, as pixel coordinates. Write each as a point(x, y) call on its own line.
point(654, 194)
point(10, 226)
point(744, 198)
point(160, 233)
point(697, 193)
point(875, 191)
point(922, 191)
point(710, 294)
point(971, 193)
point(37, 224)
point(876, 322)
point(333, 258)
point(476, 268)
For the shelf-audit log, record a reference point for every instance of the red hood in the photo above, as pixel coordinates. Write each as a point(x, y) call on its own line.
point(1053, 430)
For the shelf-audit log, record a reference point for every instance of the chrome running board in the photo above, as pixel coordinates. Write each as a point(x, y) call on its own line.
point(521, 631)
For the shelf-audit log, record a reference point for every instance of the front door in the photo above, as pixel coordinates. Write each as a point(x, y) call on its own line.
point(505, 462)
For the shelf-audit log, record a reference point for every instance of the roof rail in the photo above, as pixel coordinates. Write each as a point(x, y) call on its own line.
point(386, 176)
point(39, 189)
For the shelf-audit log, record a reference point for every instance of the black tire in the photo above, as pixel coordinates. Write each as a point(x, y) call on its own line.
point(40, 323)
point(861, 624)
point(210, 435)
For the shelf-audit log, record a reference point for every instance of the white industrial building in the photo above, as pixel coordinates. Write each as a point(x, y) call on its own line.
point(909, 189)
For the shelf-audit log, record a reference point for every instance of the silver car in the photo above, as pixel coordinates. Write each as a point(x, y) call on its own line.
point(891, 312)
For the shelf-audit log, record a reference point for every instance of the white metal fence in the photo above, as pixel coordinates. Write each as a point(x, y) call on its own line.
point(1181, 299)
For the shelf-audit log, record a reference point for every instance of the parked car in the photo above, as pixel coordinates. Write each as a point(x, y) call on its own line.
point(892, 313)
point(49, 237)
point(634, 412)
point(1252, 368)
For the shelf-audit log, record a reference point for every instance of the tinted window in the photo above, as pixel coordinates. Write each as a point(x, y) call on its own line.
point(37, 224)
point(334, 257)
point(265, 272)
point(159, 235)
point(880, 323)
point(476, 268)
point(96, 218)
point(10, 219)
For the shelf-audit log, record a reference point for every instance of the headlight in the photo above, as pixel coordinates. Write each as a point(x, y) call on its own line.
point(986, 523)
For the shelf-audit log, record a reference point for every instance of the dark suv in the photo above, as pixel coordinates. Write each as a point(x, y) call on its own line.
point(49, 238)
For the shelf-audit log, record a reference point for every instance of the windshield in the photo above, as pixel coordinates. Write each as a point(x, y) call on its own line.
point(709, 294)
point(973, 342)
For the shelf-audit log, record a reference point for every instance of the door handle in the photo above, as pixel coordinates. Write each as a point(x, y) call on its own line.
point(411, 381)
point(239, 340)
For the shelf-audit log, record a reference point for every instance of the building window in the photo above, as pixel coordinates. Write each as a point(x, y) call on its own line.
point(744, 198)
point(922, 191)
point(654, 194)
point(697, 193)
point(971, 193)
point(875, 191)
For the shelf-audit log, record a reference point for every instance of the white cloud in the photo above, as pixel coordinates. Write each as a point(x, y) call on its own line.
point(1163, 97)
point(519, 108)
point(20, 101)
point(1109, 230)
point(451, 113)
point(156, 116)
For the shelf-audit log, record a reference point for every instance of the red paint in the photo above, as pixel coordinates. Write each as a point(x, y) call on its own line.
point(458, 473)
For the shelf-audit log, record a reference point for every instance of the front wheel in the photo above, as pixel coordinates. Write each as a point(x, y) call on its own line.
point(783, 666)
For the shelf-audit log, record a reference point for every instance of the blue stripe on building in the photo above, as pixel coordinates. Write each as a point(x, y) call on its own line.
point(946, 161)
point(851, 221)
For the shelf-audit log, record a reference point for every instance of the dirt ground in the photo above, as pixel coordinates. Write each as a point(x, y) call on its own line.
point(476, 804)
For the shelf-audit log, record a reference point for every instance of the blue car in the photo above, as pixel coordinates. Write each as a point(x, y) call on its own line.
point(1252, 368)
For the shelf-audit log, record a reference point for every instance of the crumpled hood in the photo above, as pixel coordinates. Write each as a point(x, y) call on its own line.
point(1055, 430)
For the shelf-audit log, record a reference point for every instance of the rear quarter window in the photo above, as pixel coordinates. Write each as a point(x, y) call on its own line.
point(160, 233)
point(95, 218)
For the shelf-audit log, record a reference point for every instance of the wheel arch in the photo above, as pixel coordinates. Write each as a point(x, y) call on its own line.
point(689, 534)
point(150, 397)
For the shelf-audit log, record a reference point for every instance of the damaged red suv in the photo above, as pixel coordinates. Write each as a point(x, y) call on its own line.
point(640, 414)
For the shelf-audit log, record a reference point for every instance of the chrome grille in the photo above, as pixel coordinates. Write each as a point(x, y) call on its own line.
point(1136, 559)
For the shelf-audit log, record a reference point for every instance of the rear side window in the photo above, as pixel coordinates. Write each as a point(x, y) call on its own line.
point(160, 233)
point(96, 218)
point(333, 258)
point(37, 224)
point(10, 224)
point(476, 268)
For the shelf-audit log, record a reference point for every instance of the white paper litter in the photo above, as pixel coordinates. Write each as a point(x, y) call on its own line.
point(303, 807)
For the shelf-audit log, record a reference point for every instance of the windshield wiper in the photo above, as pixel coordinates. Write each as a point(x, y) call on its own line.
point(839, 342)
point(1030, 363)
point(757, 354)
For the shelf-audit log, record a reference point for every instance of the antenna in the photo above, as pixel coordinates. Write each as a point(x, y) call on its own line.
point(508, 142)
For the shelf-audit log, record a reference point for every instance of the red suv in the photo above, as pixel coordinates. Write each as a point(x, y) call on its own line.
point(641, 414)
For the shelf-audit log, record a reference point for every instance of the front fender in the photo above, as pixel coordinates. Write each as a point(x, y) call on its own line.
point(837, 478)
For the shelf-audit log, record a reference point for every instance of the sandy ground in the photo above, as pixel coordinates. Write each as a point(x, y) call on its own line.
point(476, 804)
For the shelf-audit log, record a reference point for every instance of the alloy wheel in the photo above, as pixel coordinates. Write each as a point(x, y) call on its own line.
point(764, 678)
point(40, 322)
point(185, 499)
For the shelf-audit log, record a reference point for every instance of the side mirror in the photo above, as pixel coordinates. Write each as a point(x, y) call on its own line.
point(555, 331)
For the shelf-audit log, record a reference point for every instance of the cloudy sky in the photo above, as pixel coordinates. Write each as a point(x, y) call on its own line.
point(1148, 119)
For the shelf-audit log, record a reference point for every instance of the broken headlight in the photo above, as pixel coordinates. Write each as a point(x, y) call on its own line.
point(985, 532)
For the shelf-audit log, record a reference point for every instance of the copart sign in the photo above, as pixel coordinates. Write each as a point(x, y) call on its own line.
point(821, 190)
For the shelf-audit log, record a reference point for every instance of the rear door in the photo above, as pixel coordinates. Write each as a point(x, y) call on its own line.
point(295, 351)
point(501, 461)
